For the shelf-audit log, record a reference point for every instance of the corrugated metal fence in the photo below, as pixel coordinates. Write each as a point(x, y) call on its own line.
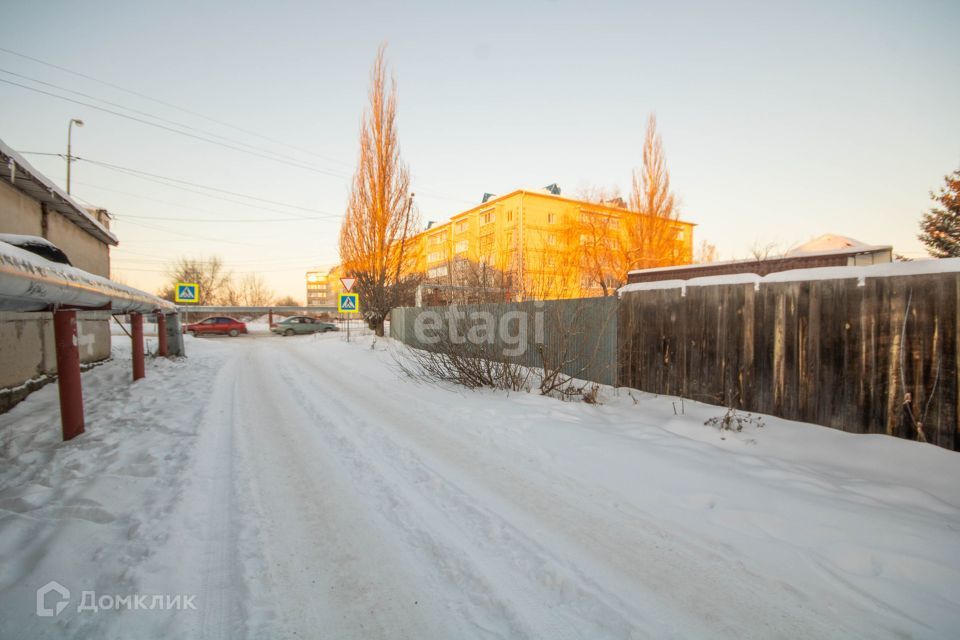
point(578, 336)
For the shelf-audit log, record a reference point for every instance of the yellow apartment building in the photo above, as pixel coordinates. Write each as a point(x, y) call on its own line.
point(319, 290)
point(536, 244)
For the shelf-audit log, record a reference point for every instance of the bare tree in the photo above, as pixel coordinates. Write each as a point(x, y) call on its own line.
point(600, 195)
point(761, 251)
point(707, 253)
point(215, 286)
point(252, 291)
point(376, 244)
point(287, 301)
point(653, 241)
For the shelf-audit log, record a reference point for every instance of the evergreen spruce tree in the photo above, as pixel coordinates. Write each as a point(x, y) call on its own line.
point(941, 225)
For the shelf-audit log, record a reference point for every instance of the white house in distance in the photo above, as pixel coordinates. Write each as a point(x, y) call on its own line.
point(32, 205)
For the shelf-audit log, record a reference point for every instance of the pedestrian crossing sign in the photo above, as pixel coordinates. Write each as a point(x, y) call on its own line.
point(348, 303)
point(187, 292)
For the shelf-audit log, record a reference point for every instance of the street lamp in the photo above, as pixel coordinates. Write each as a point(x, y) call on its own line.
point(79, 123)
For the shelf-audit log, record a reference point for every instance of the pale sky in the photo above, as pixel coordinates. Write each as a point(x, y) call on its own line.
point(781, 121)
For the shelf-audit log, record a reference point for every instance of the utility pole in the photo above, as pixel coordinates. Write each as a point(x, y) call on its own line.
point(79, 123)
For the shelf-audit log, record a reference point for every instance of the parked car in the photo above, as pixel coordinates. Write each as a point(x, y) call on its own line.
point(302, 324)
point(216, 325)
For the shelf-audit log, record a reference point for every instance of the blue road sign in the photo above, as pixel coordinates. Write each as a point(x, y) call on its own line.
point(348, 303)
point(187, 292)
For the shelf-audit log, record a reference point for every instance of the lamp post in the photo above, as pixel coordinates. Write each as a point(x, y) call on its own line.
point(79, 123)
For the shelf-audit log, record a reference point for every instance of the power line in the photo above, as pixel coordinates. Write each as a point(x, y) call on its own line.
point(150, 115)
point(189, 208)
point(178, 131)
point(282, 159)
point(153, 177)
point(165, 259)
point(165, 271)
point(125, 216)
point(137, 172)
point(169, 104)
point(177, 232)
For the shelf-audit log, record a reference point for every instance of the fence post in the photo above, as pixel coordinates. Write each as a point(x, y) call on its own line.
point(270, 321)
point(68, 373)
point(161, 334)
point(136, 326)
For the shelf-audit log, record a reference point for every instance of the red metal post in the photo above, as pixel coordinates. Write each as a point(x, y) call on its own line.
point(136, 326)
point(68, 373)
point(161, 334)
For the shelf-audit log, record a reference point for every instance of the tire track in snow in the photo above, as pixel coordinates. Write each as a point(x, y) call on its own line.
point(548, 596)
point(334, 569)
point(218, 578)
point(672, 578)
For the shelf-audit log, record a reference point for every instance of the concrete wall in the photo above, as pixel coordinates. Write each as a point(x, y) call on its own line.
point(18, 212)
point(26, 339)
point(28, 356)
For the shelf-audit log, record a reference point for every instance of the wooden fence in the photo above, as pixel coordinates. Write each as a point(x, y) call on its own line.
point(879, 356)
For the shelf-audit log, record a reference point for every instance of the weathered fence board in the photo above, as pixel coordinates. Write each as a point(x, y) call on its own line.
point(876, 357)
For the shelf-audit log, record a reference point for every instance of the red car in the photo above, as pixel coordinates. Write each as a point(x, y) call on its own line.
point(216, 324)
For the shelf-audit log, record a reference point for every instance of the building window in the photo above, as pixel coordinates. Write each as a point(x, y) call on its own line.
point(436, 239)
point(551, 218)
point(552, 239)
point(435, 256)
point(510, 215)
point(437, 272)
point(461, 246)
point(463, 225)
point(487, 217)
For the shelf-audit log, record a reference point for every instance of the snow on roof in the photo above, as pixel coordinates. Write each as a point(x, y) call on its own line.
point(836, 244)
point(21, 174)
point(918, 267)
point(831, 243)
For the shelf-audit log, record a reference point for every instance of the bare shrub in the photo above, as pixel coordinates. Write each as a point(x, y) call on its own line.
point(734, 421)
point(444, 357)
point(551, 347)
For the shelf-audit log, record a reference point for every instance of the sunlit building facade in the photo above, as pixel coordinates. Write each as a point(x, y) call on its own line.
point(536, 244)
point(319, 292)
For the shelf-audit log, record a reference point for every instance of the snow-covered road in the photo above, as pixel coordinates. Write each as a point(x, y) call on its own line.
point(300, 487)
